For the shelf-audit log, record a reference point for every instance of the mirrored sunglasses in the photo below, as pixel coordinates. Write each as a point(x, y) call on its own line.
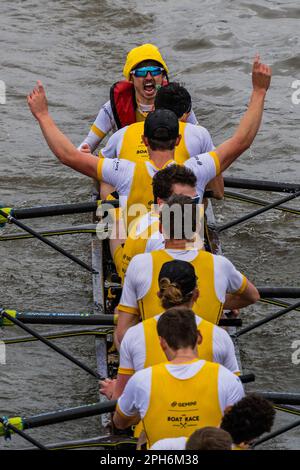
point(142, 72)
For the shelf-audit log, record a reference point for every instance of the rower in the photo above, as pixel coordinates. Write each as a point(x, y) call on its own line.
point(207, 438)
point(140, 347)
point(144, 235)
point(248, 419)
point(131, 99)
point(127, 142)
point(216, 275)
point(161, 134)
point(175, 398)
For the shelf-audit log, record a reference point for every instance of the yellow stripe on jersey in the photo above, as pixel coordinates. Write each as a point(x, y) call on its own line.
point(118, 409)
point(100, 168)
point(124, 371)
point(243, 286)
point(98, 132)
point(126, 309)
point(217, 162)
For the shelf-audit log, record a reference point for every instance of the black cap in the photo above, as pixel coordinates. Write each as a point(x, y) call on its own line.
point(161, 125)
point(180, 273)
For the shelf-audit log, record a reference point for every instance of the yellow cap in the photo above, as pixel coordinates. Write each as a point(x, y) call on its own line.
point(141, 53)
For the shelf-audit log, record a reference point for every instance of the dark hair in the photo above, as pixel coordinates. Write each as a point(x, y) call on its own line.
point(252, 416)
point(209, 438)
point(174, 97)
point(164, 180)
point(177, 280)
point(158, 144)
point(178, 327)
point(179, 217)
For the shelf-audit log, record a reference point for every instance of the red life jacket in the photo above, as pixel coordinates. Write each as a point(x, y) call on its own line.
point(123, 103)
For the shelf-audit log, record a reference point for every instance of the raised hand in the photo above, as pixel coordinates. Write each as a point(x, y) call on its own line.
point(261, 75)
point(37, 101)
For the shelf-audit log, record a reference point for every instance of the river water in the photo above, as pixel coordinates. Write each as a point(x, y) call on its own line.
point(77, 48)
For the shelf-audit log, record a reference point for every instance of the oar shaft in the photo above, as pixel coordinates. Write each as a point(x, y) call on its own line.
point(73, 230)
point(280, 292)
point(267, 319)
point(282, 398)
point(27, 229)
point(257, 212)
point(61, 209)
point(66, 318)
point(261, 185)
point(276, 433)
point(11, 427)
point(73, 318)
point(52, 345)
point(240, 197)
point(69, 414)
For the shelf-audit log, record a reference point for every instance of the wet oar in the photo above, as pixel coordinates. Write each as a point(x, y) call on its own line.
point(260, 185)
point(280, 292)
point(257, 212)
point(51, 345)
point(259, 202)
point(60, 416)
point(9, 428)
point(74, 318)
point(276, 433)
point(267, 319)
point(35, 234)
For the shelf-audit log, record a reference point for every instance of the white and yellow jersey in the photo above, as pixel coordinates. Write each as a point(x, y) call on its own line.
point(105, 123)
point(216, 275)
point(174, 400)
point(127, 143)
point(133, 180)
point(140, 347)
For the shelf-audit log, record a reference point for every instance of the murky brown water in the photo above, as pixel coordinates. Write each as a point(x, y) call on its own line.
point(77, 49)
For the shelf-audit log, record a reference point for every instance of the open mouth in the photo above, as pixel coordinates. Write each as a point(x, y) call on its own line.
point(149, 87)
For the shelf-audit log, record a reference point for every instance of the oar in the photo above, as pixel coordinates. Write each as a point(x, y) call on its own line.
point(58, 209)
point(51, 345)
point(280, 292)
point(278, 303)
point(257, 212)
point(59, 231)
point(61, 334)
point(74, 318)
point(259, 202)
point(276, 433)
point(281, 398)
point(27, 229)
point(109, 440)
point(9, 428)
point(260, 185)
point(288, 409)
point(267, 319)
point(59, 416)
